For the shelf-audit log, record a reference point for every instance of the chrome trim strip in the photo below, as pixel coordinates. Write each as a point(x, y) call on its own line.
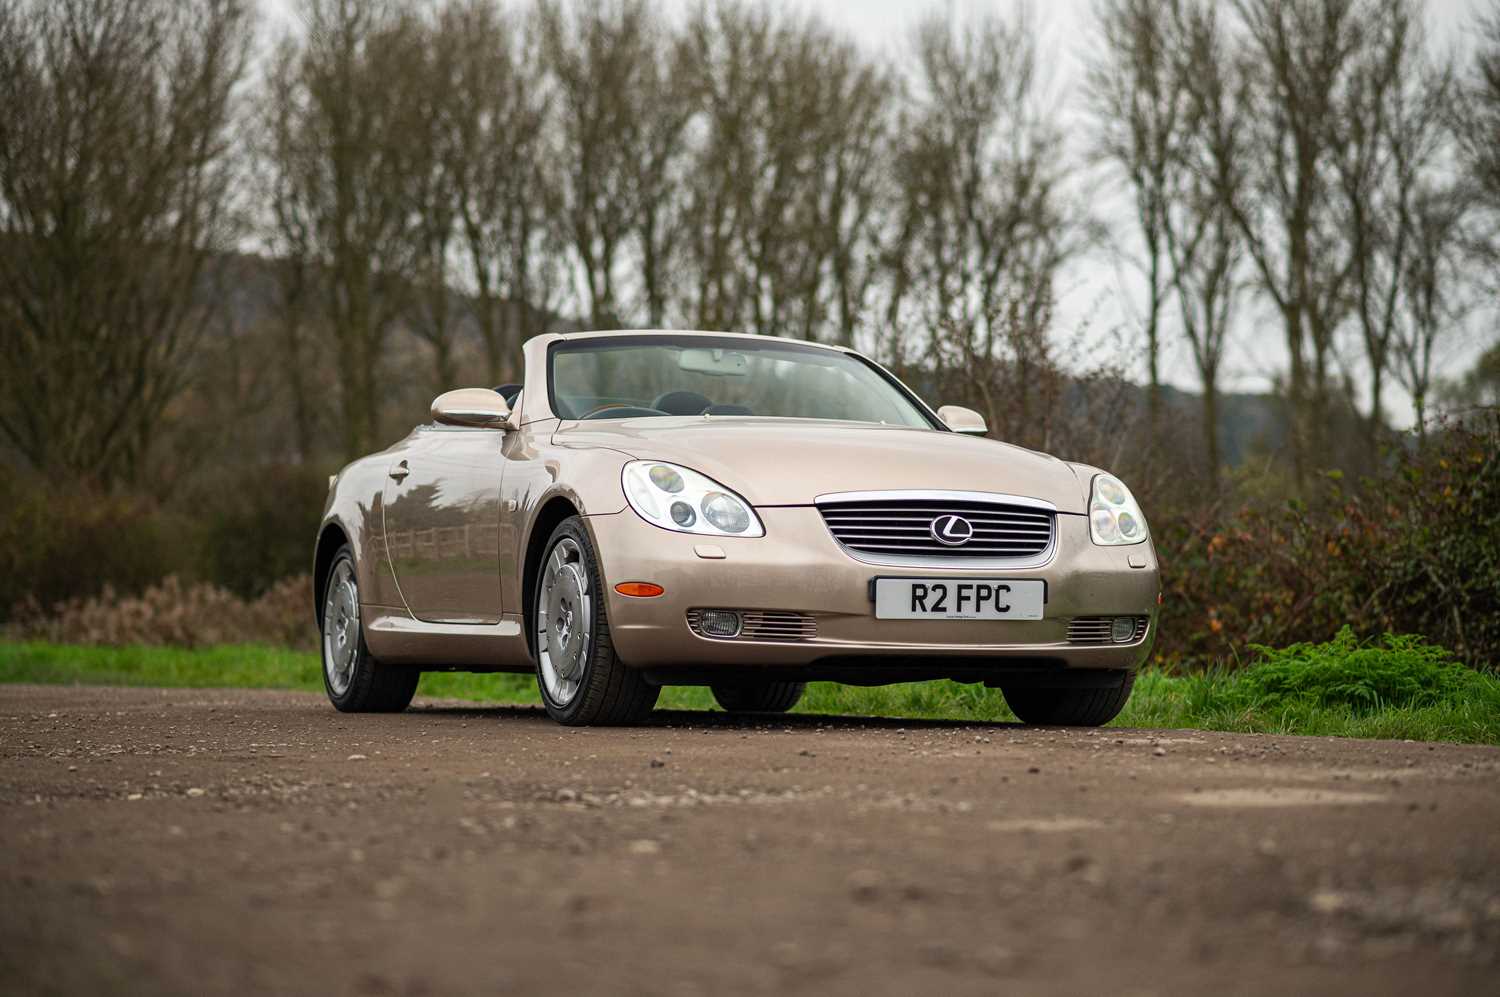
point(921, 495)
point(951, 563)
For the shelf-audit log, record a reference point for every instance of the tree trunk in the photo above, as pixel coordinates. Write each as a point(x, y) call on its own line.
point(1153, 346)
point(1296, 397)
point(1211, 431)
point(1377, 420)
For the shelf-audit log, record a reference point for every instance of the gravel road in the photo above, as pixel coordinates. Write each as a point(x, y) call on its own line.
point(217, 841)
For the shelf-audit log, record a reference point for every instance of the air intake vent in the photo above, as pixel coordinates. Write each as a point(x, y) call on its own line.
point(960, 530)
point(761, 625)
point(1096, 630)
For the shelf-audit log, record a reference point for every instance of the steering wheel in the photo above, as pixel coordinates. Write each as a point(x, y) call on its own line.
point(625, 411)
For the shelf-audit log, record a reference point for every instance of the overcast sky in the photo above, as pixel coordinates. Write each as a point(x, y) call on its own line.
point(1099, 293)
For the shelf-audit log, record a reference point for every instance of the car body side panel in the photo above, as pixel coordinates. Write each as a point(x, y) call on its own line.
point(356, 505)
point(398, 638)
point(538, 470)
point(529, 472)
point(442, 523)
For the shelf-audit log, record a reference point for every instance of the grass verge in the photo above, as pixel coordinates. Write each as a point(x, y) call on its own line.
point(1394, 687)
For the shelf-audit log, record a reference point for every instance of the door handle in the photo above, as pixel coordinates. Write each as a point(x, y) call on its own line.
point(400, 473)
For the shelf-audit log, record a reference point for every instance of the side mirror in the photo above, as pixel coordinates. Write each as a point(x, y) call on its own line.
point(963, 420)
point(481, 407)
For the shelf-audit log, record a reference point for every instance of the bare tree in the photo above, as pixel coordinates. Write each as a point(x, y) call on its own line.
point(286, 227)
point(339, 126)
point(1392, 138)
point(1477, 127)
point(1480, 387)
point(1433, 290)
point(434, 313)
point(1137, 100)
point(844, 138)
point(506, 188)
point(601, 57)
point(784, 181)
point(981, 231)
point(661, 173)
point(1303, 55)
point(859, 187)
point(1205, 246)
point(115, 188)
point(730, 46)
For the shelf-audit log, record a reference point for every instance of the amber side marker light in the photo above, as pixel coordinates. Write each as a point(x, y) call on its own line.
point(641, 590)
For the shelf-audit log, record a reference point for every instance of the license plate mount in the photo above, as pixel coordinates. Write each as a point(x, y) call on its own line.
point(938, 598)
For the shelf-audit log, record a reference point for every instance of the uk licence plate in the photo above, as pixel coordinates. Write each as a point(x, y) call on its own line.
point(959, 598)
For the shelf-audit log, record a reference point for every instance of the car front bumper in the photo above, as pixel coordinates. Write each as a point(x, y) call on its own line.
point(798, 567)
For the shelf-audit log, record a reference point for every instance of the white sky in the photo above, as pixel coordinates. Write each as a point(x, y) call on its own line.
point(1101, 291)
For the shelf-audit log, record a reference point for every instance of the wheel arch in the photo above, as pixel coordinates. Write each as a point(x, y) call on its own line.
point(331, 538)
point(553, 511)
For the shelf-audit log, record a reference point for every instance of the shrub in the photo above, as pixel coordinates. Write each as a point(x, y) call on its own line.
point(1391, 670)
point(60, 542)
point(1416, 550)
point(244, 529)
point(256, 525)
point(174, 614)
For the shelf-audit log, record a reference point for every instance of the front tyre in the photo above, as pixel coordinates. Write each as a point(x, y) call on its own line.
point(581, 679)
point(354, 680)
point(1080, 707)
point(766, 697)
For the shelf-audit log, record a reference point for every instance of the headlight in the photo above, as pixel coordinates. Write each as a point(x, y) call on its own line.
point(1114, 518)
point(676, 498)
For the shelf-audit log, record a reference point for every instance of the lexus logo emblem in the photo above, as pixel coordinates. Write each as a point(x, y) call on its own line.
point(951, 531)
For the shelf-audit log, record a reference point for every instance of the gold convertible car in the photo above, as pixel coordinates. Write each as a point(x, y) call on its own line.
point(737, 511)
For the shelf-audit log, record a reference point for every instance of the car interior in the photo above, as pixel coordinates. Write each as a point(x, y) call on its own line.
point(675, 402)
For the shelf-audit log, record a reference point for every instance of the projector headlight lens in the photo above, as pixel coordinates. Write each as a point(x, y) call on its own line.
point(684, 501)
point(667, 478)
point(683, 514)
point(727, 513)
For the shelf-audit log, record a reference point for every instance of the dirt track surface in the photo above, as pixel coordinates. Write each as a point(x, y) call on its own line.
point(203, 841)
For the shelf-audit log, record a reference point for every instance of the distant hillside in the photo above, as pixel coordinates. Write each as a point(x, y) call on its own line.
point(249, 294)
point(1249, 424)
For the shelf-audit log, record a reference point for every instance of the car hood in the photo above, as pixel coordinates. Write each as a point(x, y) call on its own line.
point(792, 461)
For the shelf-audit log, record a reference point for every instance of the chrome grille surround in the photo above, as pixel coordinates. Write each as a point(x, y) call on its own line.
point(761, 624)
point(895, 528)
point(1095, 630)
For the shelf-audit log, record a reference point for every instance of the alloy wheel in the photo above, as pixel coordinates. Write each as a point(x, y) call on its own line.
point(564, 623)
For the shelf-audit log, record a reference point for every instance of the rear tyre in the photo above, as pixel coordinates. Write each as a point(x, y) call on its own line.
point(767, 697)
point(354, 680)
point(1088, 707)
point(582, 681)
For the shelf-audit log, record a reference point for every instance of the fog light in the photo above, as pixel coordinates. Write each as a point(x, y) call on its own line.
point(1122, 629)
point(719, 622)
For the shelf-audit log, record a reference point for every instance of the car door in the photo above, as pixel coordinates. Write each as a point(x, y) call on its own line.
point(442, 522)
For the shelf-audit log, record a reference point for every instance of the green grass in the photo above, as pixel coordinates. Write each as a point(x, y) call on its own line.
point(1394, 687)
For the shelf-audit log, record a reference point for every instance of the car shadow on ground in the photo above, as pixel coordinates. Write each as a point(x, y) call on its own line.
point(713, 719)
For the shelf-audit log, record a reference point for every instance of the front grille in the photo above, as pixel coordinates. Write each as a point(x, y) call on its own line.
point(1095, 630)
point(763, 624)
point(903, 527)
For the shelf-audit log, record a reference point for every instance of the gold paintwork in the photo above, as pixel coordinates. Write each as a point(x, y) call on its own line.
point(441, 552)
point(479, 407)
point(963, 420)
point(442, 524)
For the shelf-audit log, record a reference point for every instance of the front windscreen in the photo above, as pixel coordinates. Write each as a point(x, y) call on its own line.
point(632, 378)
